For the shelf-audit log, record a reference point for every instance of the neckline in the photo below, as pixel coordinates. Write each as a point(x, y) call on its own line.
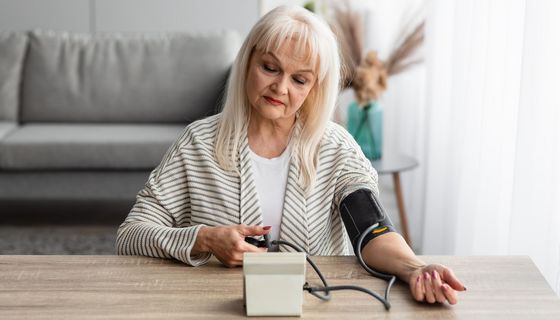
point(280, 158)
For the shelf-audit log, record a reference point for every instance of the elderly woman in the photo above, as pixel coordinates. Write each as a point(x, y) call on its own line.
point(271, 163)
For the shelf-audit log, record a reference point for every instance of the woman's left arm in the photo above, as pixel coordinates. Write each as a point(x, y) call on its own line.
point(389, 253)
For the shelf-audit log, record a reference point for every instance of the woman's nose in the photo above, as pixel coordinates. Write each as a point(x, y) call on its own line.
point(280, 85)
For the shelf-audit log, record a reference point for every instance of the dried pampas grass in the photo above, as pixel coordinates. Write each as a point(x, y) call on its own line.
point(347, 25)
point(397, 61)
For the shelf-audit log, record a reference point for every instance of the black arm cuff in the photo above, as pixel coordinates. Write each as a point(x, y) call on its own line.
point(360, 210)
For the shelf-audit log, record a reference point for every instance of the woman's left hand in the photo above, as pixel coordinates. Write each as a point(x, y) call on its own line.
point(435, 283)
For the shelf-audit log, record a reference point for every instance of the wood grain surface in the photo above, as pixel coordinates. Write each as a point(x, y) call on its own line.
point(125, 287)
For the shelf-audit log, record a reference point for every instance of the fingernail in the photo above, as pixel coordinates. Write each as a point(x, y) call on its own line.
point(434, 273)
point(418, 279)
point(267, 227)
point(426, 276)
point(464, 288)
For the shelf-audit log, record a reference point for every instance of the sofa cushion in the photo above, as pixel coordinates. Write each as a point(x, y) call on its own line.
point(12, 52)
point(86, 146)
point(84, 185)
point(6, 127)
point(117, 77)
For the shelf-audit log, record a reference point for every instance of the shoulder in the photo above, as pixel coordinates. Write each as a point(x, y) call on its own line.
point(195, 138)
point(205, 122)
point(337, 136)
point(340, 149)
point(339, 145)
point(203, 130)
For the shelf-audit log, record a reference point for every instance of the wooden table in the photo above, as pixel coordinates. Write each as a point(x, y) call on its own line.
point(108, 287)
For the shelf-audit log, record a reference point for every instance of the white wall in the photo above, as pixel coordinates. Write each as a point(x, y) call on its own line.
point(129, 15)
point(71, 15)
point(165, 15)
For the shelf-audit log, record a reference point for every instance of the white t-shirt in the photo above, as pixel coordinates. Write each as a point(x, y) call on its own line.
point(271, 176)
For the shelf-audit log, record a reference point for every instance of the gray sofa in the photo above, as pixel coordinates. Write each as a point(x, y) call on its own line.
point(85, 118)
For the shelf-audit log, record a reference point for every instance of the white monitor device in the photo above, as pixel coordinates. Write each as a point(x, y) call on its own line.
point(273, 283)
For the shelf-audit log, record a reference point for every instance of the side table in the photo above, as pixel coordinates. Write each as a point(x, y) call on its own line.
point(395, 164)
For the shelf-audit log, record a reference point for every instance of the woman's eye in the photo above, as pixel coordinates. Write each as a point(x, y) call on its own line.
point(268, 68)
point(300, 80)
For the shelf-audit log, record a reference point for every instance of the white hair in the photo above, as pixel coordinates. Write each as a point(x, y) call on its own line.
point(312, 36)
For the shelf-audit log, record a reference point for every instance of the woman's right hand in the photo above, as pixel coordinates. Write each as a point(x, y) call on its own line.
point(227, 243)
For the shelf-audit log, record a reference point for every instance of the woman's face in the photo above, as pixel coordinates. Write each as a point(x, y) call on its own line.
point(278, 83)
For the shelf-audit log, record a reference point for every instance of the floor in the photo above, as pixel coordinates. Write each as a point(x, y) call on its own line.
point(100, 239)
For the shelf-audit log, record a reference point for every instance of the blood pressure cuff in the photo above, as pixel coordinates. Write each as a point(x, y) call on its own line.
point(360, 210)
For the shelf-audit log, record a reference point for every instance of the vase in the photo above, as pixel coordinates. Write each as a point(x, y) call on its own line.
point(365, 124)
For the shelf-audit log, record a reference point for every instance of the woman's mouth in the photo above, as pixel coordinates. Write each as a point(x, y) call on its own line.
point(273, 101)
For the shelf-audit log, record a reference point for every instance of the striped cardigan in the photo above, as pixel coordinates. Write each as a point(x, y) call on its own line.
point(188, 190)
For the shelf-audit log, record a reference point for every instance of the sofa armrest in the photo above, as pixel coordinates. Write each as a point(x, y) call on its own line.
point(13, 45)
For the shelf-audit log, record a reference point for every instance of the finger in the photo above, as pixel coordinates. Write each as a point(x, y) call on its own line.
point(243, 246)
point(255, 230)
point(450, 294)
point(418, 288)
point(451, 279)
point(251, 248)
point(228, 262)
point(439, 295)
point(428, 288)
point(237, 259)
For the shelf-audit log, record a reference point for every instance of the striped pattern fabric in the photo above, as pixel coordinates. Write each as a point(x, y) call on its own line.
point(188, 190)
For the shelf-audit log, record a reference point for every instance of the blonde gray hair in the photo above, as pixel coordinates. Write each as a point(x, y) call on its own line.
point(313, 36)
